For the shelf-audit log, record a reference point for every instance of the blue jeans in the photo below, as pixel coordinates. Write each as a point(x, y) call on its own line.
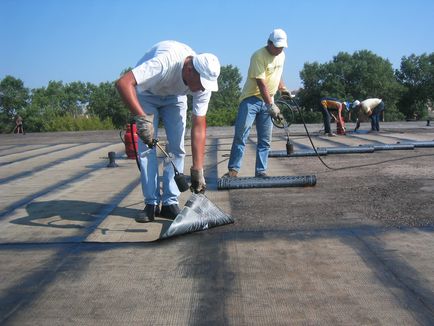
point(251, 109)
point(375, 116)
point(326, 118)
point(172, 110)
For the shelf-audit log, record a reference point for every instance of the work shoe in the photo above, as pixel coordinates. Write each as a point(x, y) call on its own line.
point(148, 214)
point(261, 175)
point(230, 174)
point(170, 211)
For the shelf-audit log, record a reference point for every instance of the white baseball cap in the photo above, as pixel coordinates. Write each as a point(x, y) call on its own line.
point(279, 39)
point(355, 103)
point(208, 67)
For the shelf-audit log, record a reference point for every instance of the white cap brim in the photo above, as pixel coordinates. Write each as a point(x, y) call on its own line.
point(208, 67)
point(281, 44)
point(209, 85)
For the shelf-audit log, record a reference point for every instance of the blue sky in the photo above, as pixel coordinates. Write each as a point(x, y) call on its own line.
point(94, 40)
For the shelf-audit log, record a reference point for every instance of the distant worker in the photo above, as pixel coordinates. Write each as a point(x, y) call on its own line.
point(18, 125)
point(370, 108)
point(430, 117)
point(156, 89)
point(330, 106)
point(264, 79)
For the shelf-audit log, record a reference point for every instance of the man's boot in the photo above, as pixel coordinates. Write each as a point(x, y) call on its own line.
point(148, 214)
point(170, 211)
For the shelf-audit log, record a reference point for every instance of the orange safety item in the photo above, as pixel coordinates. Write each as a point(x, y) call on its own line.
point(130, 141)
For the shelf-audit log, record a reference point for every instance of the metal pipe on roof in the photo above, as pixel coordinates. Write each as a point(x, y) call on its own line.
point(310, 152)
point(349, 150)
point(389, 147)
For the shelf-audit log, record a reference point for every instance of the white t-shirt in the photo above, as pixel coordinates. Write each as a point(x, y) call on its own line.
point(369, 104)
point(159, 72)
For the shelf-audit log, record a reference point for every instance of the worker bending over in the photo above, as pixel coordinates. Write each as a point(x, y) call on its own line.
point(371, 108)
point(330, 106)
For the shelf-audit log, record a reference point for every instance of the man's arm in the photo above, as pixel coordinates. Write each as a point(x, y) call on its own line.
point(283, 90)
point(264, 91)
point(198, 140)
point(126, 87)
point(273, 109)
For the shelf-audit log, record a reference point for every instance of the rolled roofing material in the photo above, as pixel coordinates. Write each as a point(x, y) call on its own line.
point(266, 182)
point(198, 214)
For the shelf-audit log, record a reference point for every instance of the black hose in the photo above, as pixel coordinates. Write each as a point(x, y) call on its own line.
point(307, 132)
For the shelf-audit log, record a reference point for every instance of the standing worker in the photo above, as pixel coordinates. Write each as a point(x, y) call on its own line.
point(332, 104)
point(430, 112)
point(19, 125)
point(264, 79)
point(157, 88)
point(372, 108)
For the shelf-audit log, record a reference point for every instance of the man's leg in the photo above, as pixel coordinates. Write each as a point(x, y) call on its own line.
point(372, 118)
point(376, 116)
point(377, 122)
point(148, 156)
point(264, 128)
point(174, 115)
point(326, 118)
point(380, 108)
point(245, 117)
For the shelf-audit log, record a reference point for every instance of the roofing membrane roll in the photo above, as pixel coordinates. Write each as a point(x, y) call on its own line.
point(198, 214)
point(266, 182)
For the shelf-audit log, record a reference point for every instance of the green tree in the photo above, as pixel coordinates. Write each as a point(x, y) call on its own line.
point(416, 75)
point(312, 76)
point(77, 97)
point(14, 100)
point(46, 104)
point(50, 98)
point(229, 91)
point(105, 102)
point(223, 105)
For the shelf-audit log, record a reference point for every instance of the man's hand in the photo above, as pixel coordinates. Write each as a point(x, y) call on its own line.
point(286, 93)
point(357, 124)
point(274, 112)
point(198, 184)
point(145, 128)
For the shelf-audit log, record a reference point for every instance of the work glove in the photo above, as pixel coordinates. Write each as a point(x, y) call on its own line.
point(145, 128)
point(274, 112)
point(198, 184)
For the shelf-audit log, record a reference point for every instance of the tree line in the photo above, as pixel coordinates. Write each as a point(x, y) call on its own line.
point(85, 106)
